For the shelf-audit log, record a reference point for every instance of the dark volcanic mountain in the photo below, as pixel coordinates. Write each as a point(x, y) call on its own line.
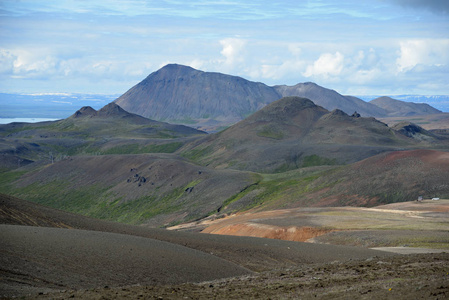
point(294, 132)
point(182, 95)
point(396, 108)
point(185, 95)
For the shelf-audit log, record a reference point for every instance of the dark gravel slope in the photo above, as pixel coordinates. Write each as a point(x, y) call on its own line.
point(253, 253)
point(33, 258)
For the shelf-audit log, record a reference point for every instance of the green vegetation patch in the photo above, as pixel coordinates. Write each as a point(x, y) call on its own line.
point(136, 211)
point(140, 210)
point(139, 149)
point(271, 132)
point(186, 120)
point(197, 153)
point(280, 189)
point(95, 200)
point(6, 180)
point(164, 148)
point(58, 194)
point(315, 160)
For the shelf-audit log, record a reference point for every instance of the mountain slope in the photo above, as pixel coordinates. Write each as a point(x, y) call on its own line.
point(183, 94)
point(395, 108)
point(389, 177)
point(209, 100)
point(110, 130)
point(157, 189)
point(330, 99)
point(294, 132)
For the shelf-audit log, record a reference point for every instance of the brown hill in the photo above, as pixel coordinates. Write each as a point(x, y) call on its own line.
point(388, 177)
point(330, 99)
point(294, 132)
point(395, 108)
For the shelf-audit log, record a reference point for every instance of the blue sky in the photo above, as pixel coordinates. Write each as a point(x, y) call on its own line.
point(381, 47)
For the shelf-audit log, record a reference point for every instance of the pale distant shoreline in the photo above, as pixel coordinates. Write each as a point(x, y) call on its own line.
point(25, 120)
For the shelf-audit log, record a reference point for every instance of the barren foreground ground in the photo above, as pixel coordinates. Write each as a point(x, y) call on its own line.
point(50, 254)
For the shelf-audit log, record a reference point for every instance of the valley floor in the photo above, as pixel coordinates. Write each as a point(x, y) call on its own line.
point(51, 254)
point(418, 276)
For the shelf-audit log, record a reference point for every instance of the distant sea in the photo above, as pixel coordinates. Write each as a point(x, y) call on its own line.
point(25, 120)
point(47, 106)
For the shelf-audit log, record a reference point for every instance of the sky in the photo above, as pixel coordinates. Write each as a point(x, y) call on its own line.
point(370, 47)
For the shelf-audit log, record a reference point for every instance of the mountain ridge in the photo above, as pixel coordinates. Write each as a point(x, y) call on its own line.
point(395, 108)
point(211, 100)
point(293, 132)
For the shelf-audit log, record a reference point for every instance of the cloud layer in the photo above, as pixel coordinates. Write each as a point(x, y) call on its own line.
point(374, 47)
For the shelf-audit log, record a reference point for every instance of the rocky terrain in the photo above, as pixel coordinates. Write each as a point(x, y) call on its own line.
point(138, 262)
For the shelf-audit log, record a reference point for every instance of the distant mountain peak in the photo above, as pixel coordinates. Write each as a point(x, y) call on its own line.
point(183, 95)
point(338, 112)
point(177, 66)
point(286, 107)
point(109, 110)
point(112, 109)
point(287, 110)
point(410, 129)
point(85, 111)
point(395, 107)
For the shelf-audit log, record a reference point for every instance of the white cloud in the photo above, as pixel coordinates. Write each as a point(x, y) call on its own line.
point(31, 64)
point(279, 71)
point(233, 49)
point(6, 61)
point(295, 49)
point(327, 65)
point(426, 52)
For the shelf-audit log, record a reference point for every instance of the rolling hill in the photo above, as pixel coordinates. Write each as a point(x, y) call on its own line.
point(115, 165)
point(110, 130)
point(154, 189)
point(293, 132)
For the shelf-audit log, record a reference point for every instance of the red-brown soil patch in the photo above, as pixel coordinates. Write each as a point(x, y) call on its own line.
point(298, 234)
point(431, 157)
